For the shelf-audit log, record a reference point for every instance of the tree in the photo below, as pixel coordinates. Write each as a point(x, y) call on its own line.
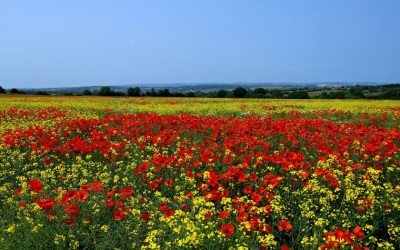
point(239, 92)
point(2, 91)
point(259, 91)
point(41, 92)
point(164, 93)
point(14, 91)
point(302, 94)
point(190, 94)
point(86, 92)
point(105, 91)
point(134, 91)
point(222, 93)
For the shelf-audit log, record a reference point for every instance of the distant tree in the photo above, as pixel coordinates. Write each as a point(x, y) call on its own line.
point(68, 93)
point(302, 94)
point(134, 91)
point(152, 92)
point(117, 93)
point(179, 94)
point(86, 92)
point(222, 93)
point(14, 91)
point(41, 92)
point(275, 93)
point(164, 93)
point(2, 91)
point(239, 92)
point(105, 91)
point(190, 94)
point(357, 91)
point(259, 91)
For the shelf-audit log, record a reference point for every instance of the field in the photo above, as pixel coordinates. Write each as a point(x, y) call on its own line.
point(192, 173)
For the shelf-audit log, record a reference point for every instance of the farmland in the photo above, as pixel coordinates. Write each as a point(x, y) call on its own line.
point(180, 173)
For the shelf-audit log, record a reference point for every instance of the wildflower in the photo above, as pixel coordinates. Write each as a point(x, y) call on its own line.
point(69, 222)
point(72, 209)
point(284, 225)
point(227, 229)
point(119, 214)
point(36, 185)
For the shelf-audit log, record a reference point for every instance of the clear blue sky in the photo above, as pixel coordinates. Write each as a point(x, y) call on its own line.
point(81, 42)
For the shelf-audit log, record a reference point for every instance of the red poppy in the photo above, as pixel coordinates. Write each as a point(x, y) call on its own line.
point(45, 203)
point(265, 228)
point(242, 217)
point(168, 212)
point(69, 222)
point(110, 193)
point(284, 225)
point(22, 204)
point(35, 185)
point(96, 186)
point(18, 191)
point(109, 203)
point(72, 209)
point(153, 186)
point(47, 161)
point(118, 203)
point(119, 214)
point(227, 229)
point(82, 195)
point(285, 247)
point(224, 214)
point(247, 189)
point(125, 193)
point(253, 177)
point(358, 232)
point(145, 216)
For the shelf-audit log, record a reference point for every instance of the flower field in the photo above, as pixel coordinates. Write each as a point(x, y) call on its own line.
point(192, 173)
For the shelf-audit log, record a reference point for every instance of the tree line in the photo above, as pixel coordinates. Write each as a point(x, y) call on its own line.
point(389, 91)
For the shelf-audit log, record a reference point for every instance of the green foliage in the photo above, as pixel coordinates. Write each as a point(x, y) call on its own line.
point(222, 93)
point(86, 92)
point(134, 91)
point(239, 92)
point(41, 92)
point(2, 91)
point(302, 94)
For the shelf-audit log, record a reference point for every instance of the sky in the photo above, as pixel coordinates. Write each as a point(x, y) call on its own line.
point(84, 43)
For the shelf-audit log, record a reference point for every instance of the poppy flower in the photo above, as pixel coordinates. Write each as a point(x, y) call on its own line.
point(358, 232)
point(96, 186)
point(35, 185)
point(284, 225)
point(125, 193)
point(119, 214)
point(227, 229)
point(47, 161)
point(168, 212)
point(69, 222)
point(72, 209)
point(145, 216)
point(18, 191)
point(45, 204)
point(82, 195)
point(153, 186)
point(224, 214)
